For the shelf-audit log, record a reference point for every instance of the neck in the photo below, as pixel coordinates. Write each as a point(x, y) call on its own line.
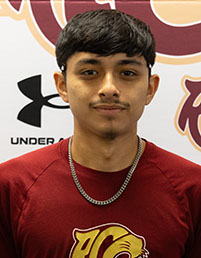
point(105, 154)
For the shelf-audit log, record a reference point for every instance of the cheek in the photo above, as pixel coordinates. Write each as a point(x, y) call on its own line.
point(138, 100)
point(78, 99)
point(143, 92)
point(138, 97)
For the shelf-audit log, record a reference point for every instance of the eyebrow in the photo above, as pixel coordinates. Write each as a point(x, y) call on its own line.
point(129, 61)
point(88, 61)
point(97, 62)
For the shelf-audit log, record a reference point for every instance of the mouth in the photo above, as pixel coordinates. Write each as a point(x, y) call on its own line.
point(109, 109)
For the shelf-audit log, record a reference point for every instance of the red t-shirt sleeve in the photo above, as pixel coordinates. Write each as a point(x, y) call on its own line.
point(16, 178)
point(7, 218)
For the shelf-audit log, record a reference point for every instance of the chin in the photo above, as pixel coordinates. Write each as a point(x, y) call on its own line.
point(113, 133)
point(109, 134)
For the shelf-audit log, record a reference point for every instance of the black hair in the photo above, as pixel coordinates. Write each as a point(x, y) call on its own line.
point(105, 32)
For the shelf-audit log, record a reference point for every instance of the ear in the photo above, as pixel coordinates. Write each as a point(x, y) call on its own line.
point(61, 85)
point(153, 87)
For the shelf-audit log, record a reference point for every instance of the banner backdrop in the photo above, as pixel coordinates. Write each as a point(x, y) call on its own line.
point(31, 113)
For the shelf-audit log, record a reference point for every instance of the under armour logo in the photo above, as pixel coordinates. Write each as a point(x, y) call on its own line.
point(191, 110)
point(31, 113)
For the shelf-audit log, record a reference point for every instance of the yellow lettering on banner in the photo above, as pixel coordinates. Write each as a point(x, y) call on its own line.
point(110, 2)
point(177, 12)
point(81, 250)
point(114, 231)
point(59, 10)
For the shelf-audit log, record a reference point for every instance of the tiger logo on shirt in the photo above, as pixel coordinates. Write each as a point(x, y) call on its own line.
point(107, 241)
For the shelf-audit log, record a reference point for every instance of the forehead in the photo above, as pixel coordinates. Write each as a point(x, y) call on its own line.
point(83, 58)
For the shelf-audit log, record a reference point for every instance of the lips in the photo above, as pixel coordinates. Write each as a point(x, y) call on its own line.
point(104, 106)
point(109, 109)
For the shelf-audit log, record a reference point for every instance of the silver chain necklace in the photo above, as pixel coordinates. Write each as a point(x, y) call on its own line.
point(123, 186)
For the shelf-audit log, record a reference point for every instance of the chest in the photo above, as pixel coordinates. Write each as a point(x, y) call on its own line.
point(146, 220)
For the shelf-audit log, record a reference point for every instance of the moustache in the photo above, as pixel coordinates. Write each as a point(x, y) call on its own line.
point(122, 104)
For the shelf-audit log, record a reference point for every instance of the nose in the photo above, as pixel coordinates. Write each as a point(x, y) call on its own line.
point(108, 89)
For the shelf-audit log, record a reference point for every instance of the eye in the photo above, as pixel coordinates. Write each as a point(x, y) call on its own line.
point(128, 73)
point(89, 72)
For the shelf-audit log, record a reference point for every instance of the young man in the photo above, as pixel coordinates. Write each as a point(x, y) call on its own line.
point(104, 192)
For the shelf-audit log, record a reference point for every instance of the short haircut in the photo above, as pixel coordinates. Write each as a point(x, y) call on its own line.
point(105, 32)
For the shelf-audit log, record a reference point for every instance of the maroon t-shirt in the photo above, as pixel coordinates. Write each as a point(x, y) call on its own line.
point(43, 215)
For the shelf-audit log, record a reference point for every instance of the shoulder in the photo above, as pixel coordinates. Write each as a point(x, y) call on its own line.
point(169, 162)
point(19, 175)
point(28, 166)
point(182, 174)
